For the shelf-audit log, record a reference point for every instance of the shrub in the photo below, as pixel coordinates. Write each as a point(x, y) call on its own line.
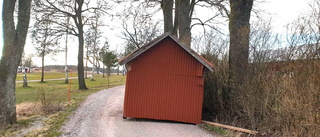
point(48, 102)
point(279, 98)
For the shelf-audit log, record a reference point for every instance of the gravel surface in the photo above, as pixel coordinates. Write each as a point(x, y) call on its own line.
point(100, 115)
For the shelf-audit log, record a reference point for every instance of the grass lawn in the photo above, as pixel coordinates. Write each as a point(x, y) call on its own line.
point(56, 91)
point(59, 89)
point(47, 75)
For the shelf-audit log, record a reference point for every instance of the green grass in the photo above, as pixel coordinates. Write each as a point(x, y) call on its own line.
point(47, 75)
point(58, 91)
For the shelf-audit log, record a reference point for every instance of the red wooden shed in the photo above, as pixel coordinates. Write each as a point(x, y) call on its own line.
point(165, 81)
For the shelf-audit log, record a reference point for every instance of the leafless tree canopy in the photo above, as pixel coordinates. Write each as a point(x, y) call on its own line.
point(45, 39)
point(81, 12)
point(138, 25)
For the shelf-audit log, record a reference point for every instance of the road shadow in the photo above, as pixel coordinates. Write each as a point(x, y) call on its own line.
point(129, 119)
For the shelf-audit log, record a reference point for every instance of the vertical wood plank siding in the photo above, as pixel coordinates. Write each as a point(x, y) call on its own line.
point(165, 83)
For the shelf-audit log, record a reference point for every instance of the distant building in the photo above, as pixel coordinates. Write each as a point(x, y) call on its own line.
point(60, 68)
point(27, 69)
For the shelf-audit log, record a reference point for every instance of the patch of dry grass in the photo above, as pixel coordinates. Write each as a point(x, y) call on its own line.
point(47, 103)
point(27, 109)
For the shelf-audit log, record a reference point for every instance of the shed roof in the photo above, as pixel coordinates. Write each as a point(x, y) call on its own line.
point(150, 44)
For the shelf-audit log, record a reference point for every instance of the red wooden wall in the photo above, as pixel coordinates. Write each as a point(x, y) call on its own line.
point(165, 83)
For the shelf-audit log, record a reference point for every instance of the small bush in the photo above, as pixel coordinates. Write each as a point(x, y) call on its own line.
point(47, 101)
point(216, 87)
point(278, 99)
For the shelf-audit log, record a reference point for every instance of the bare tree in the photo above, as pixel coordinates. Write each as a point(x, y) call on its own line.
point(182, 19)
point(80, 12)
point(184, 12)
point(109, 59)
point(66, 57)
point(27, 59)
point(46, 40)
point(178, 15)
point(239, 29)
point(183, 16)
point(138, 26)
point(167, 6)
point(303, 35)
point(92, 49)
point(262, 41)
point(14, 37)
point(93, 38)
point(102, 53)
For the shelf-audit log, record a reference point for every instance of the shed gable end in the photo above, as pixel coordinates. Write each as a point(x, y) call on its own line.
point(167, 56)
point(154, 42)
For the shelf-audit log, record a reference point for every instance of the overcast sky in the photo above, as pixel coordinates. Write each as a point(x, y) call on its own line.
point(281, 12)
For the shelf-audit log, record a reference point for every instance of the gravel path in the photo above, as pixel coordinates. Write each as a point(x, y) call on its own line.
point(100, 115)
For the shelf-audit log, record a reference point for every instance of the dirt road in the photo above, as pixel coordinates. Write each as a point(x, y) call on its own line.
point(101, 116)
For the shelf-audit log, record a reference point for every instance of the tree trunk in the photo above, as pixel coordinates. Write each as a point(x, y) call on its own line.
point(98, 70)
point(176, 19)
point(103, 70)
point(97, 66)
point(182, 19)
point(108, 70)
point(87, 57)
point(81, 80)
point(166, 6)
point(92, 71)
point(13, 44)
point(108, 80)
point(108, 74)
point(86, 76)
point(24, 73)
point(118, 70)
point(42, 66)
point(66, 57)
point(239, 28)
point(78, 22)
point(185, 11)
point(43, 53)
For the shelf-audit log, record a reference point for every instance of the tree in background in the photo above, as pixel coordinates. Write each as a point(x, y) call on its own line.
point(138, 26)
point(109, 60)
point(26, 64)
point(46, 39)
point(66, 71)
point(102, 52)
point(182, 18)
point(24, 73)
point(92, 49)
point(14, 38)
point(80, 11)
point(26, 60)
point(239, 29)
point(93, 42)
point(180, 24)
point(177, 18)
point(118, 53)
point(168, 25)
